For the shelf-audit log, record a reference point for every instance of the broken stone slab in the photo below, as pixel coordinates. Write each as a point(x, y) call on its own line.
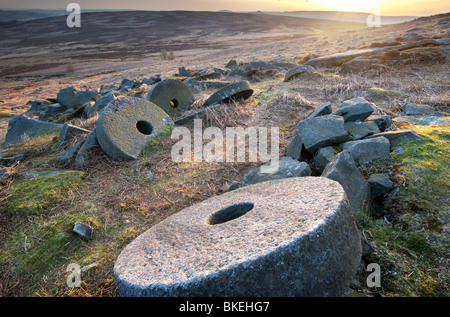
point(287, 167)
point(361, 129)
point(183, 71)
point(322, 131)
point(127, 124)
point(355, 109)
point(86, 148)
point(324, 156)
point(83, 230)
point(380, 184)
point(69, 132)
point(343, 170)
point(368, 150)
point(303, 71)
point(383, 122)
point(171, 95)
point(20, 125)
point(323, 110)
point(288, 237)
point(412, 109)
point(240, 89)
point(70, 153)
point(398, 135)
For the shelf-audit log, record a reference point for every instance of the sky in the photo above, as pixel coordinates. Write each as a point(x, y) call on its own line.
point(384, 7)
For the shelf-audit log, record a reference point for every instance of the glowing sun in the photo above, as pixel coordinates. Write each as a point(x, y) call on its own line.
point(350, 5)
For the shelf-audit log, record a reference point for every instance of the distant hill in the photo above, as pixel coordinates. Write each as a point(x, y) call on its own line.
point(358, 17)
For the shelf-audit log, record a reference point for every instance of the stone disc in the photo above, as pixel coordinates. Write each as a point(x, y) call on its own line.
point(171, 95)
point(127, 124)
point(287, 237)
point(240, 89)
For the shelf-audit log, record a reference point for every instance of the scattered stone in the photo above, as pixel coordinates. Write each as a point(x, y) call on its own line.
point(289, 237)
point(368, 150)
point(66, 96)
point(324, 156)
point(85, 150)
point(98, 106)
point(235, 185)
point(360, 64)
point(231, 64)
point(52, 112)
point(128, 84)
point(20, 125)
point(127, 124)
point(83, 230)
point(69, 132)
point(186, 72)
point(323, 110)
point(399, 150)
point(288, 167)
point(37, 106)
point(301, 71)
point(380, 184)
point(394, 136)
point(343, 170)
point(296, 150)
point(83, 97)
point(413, 109)
point(322, 131)
point(206, 84)
point(152, 80)
point(383, 122)
point(360, 129)
point(70, 153)
point(171, 95)
point(10, 161)
point(241, 89)
point(355, 109)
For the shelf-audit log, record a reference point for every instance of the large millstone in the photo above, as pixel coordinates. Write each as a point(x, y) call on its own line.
point(127, 124)
point(171, 95)
point(288, 237)
point(240, 89)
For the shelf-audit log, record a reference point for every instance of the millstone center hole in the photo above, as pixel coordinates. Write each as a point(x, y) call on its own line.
point(144, 127)
point(174, 103)
point(229, 213)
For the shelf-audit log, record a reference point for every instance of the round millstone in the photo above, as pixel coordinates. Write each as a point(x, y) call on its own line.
point(241, 89)
point(171, 95)
point(288, 237)
point(127, 124)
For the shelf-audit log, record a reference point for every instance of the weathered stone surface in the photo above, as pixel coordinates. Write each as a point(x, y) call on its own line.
point(295, 149)
point(85, 96)
point(19, 126)
point(83, 230)
point(394, 136)
point(37, 106)
point(355, 109)
point(66, 96)
point(288, 167)
point(322, 131)
point(323, 157)
point(367, 150)
point(360, 129)
point(98, 106)
point(323, 110)
point(52, 112)
point(413, 109)
point(70, 153)
point(127, 124)
point(343, 170)
point(290, 237)
point(383, 122)
point(301, 71)
point(69, 132)
point(87, 147)
point(171, 95)
point(237, 90)
point(360, 64)
point(379, 184)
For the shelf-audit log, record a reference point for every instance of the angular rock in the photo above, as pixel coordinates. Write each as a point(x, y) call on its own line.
point(171, 95)
point(323, 157)
point(288, 167)
point(368, 150)
point(359, 129)
point(355, 109)
point(66, 96)
point(303, 71)
point(394, 136)
point(343, 170)
point(52, 112)
point(411, 109)
point(383, 122)
point(37, 106)
point(323, 110)
point(380, 184)
point(128, 84)
point(85, 149)
point(186, 72)
point(98, 106)
point(85, 96)
point(127, 124)
point(83, 230)
point(282, 238)
point(70, 153)
point(240, 89)
point(19, 126)
point(295, 149)
point(69, 132)
point(322, 131)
